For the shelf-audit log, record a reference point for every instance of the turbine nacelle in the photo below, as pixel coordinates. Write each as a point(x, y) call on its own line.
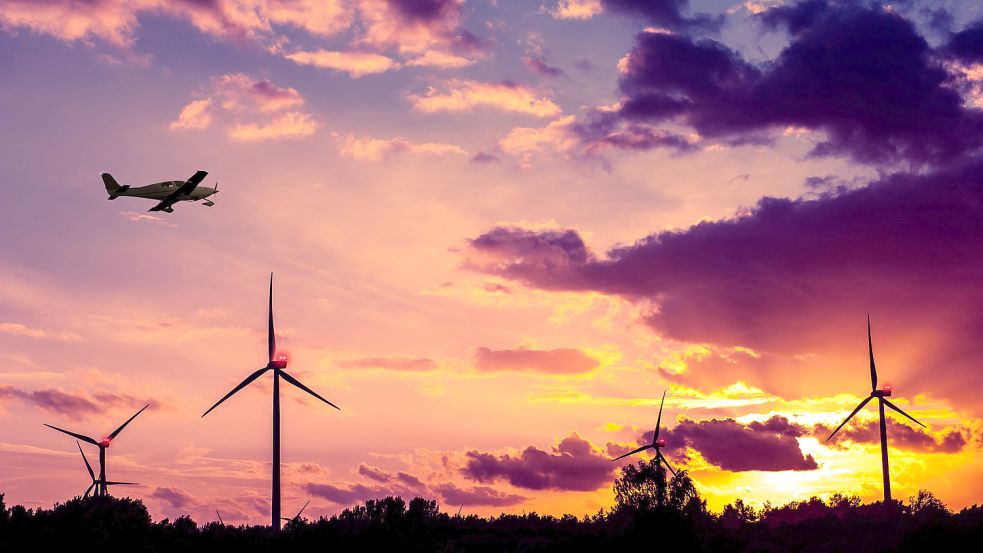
point(280, 361)
point(885, 391)
point(105, 441)
point(661, 442)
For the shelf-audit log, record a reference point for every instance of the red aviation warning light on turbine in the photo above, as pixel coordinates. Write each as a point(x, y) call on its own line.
point(103, 445)
point(277, 363)
point(657, 442)
point(881, 394)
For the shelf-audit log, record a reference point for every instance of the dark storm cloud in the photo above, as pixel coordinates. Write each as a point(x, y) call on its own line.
point(572, 465)
point(861, 75)
point(967, 45)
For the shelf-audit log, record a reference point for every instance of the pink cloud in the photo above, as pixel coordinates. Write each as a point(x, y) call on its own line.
point(290, 125)
point(18, 329)
point(195, 115)
point(465, 95)
point(254, 109)
point(116, 21)
point(554, 361)
point(356, 64)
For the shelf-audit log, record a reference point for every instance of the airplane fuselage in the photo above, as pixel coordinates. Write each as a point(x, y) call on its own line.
point(161, 190)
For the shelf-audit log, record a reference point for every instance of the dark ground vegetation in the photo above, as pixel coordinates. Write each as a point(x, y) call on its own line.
point(650, 512)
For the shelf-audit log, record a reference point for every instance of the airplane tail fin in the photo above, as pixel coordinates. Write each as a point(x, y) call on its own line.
point(112, 187)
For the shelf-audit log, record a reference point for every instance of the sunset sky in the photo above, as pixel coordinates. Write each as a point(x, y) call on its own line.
point(500, 229)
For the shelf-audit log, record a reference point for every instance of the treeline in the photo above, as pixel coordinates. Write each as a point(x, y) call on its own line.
point(651, 511)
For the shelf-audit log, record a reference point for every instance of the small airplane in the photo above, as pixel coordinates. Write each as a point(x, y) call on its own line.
point(168, 192)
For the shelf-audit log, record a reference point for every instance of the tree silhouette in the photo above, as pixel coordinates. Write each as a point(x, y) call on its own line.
point(650, 511)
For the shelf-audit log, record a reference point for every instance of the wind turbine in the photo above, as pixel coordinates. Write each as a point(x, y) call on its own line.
point(881, 395)
point(657, 443)
point(95, 480)
point(297, 517)
point(103, 445)
point(277, 363)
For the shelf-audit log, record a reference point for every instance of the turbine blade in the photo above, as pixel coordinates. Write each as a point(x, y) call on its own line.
point(89, 489)
point(122, 426)
point(859, 407)
point(272, 336)
point(297, 383)
point(302, 509)
point(898, 409)
point(666, 461)
point(122, 483)
point(643, 448)
point(870, 349)
point(241, 385)
point(87, 465)
point(73, 434)
point(658, 422)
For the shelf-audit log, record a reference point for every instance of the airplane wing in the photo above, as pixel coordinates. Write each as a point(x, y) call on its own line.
point(183, 190)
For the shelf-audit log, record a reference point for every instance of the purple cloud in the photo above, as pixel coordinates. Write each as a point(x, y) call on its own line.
point(667, 13)
point(423, 10)
point(484, 157)
point(541, 67)
point(407, 485)
point(733, 446)
point(73, 404)
point(899, 435)
point(967, 45)
point(795, 276)
point(553, 361)
point(175, 497)
point(861, 75)
point(476, 496)
point(374, 473)
point(572, 465)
